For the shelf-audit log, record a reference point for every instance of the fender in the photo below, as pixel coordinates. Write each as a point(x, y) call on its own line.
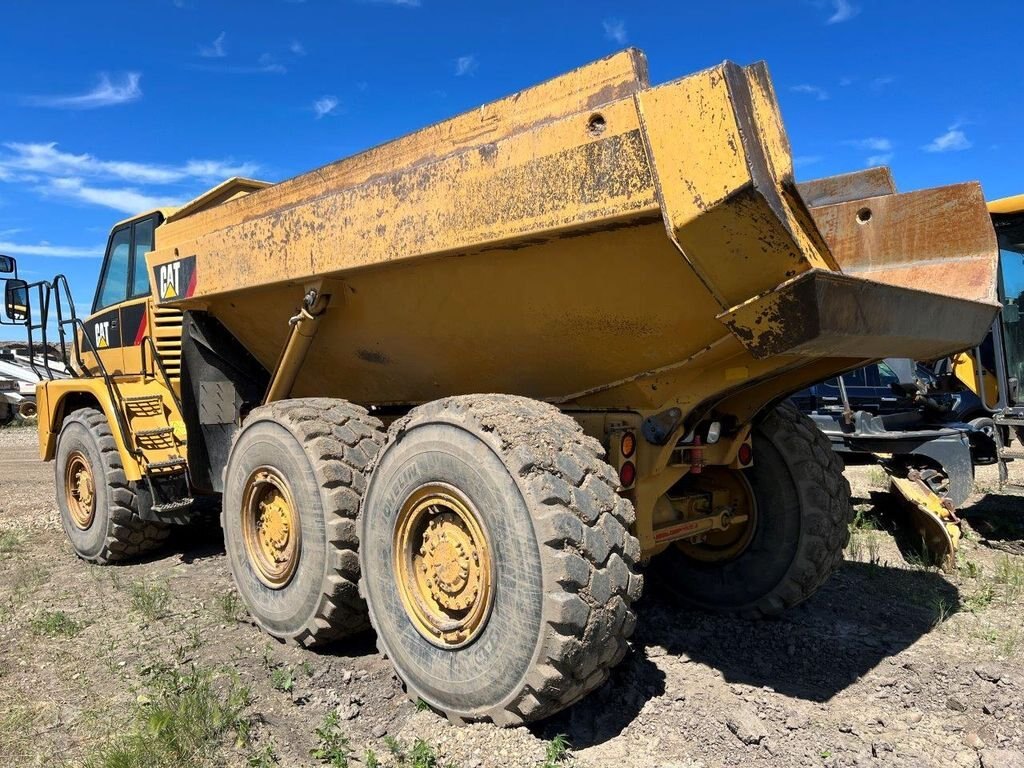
point(57, 398)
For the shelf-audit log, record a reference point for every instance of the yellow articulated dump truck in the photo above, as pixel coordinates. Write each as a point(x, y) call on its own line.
point(463, 386)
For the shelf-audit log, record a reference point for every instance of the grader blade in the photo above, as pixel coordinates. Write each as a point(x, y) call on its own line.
point(933, 518)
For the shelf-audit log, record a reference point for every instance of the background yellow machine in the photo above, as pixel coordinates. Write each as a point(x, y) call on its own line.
point(994, 369)
point(462, 385)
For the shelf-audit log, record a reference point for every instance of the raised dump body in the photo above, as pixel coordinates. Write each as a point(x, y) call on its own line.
point(591, 241)
point(575, 310)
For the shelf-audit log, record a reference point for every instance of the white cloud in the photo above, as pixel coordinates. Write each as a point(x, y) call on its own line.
point(953, 140)
point(842, 10)
point(882, 159)
point(811, 90)
point(217, 170)
point(802, 161)
point(615, 30)
point(881, 82)
point(127, 199)
point(297, 48)
point(269, 64)
point(107, 93)
point(49, 250)
point(266, 64)
point(872, 143)
point(47, 160)
point(465, 65)
point(324, 106)
point(401, 3)
point(214, 50)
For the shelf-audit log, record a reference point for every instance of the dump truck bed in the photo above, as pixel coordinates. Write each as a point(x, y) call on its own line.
point(593, 241)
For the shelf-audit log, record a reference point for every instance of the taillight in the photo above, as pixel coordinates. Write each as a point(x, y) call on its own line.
point(627, 474)
point(745, 454)
point(628, 445)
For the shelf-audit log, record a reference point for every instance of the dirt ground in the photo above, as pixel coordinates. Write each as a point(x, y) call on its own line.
point(890, 664)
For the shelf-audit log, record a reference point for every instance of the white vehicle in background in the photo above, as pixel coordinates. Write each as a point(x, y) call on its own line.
point(19, 373)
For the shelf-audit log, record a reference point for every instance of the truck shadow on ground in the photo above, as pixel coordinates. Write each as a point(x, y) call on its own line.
point(865, 614)
point(997, 519)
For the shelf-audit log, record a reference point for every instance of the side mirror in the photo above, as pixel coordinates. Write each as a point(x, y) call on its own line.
point(8, 265)
point(16, 300)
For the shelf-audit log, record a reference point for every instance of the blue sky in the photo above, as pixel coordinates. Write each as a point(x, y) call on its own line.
point(109, 107)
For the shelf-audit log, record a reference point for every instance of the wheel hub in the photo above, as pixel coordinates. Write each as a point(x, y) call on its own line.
point(270, 527)
point(80, 490)
point(443, 566)
point(729, 541)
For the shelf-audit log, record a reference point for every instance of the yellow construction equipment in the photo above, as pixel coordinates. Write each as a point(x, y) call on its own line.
point(994, 370)
point(573, 310)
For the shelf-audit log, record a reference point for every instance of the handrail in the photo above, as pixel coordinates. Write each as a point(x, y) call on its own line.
point(50, 299)
point(147, 341)
point(112, 390)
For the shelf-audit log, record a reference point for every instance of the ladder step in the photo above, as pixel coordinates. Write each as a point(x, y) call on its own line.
point(177, 461)
point(172, 506)
point(1010, 453)
point(143, 398)
point(154, 432)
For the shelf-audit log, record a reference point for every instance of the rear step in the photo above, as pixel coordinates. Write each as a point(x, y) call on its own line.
point(177, 461)
point(171, 507)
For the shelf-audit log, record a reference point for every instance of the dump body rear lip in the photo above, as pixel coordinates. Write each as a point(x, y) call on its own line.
point(830, 314)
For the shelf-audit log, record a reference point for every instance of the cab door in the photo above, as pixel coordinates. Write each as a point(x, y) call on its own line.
point(118, 320)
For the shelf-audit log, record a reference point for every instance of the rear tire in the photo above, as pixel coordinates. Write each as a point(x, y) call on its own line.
point(803, 516)
point(316, 449)
point(7, 413)
point(541, 516)
point(98, 505)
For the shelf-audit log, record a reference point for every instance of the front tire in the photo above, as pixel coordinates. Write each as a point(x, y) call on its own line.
point(291, 494)
point(802, 526)
point(98, 505)
point(497, 562)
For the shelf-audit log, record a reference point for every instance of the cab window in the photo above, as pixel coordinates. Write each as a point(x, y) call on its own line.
point(124, 269)
point(143, 245)
point(114, 283)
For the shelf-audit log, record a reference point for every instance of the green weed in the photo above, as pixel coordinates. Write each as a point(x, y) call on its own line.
point(1010, 574)
point(56, 624)
point(557, 752)
point(332, 748)
point(283, 679)
point(182, 720)
point(980, 600)
point(229, 607)
point(263, 758)
point(151, 600)
point(10, 542)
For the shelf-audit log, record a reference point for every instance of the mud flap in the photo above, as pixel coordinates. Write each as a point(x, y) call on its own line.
point(934, 518)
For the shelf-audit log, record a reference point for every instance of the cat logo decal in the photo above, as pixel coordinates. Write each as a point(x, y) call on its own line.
point(176, 279)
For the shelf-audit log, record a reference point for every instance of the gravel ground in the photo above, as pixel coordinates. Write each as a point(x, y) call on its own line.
point(890, 664)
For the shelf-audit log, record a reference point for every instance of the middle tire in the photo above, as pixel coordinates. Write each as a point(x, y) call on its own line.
point(291, 495)
point(496, 558)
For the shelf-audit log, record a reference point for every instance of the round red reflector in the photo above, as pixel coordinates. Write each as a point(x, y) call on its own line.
point(745, 454)
point(627, 475)
point(628, 446)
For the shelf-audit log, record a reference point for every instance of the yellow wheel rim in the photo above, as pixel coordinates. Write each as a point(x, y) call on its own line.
point(270, 527)
point(721, 546)
point(442, 564)
point(80, 490)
